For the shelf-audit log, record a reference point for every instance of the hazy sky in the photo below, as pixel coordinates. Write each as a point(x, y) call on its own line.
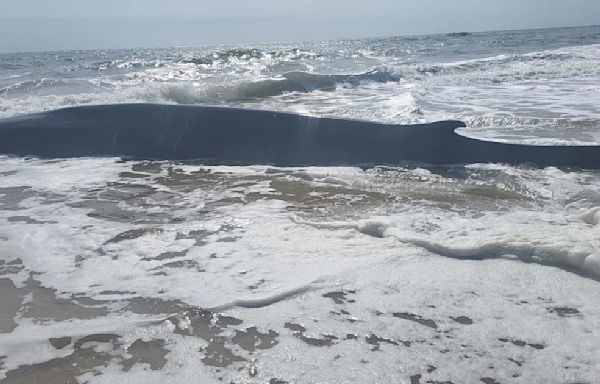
point(35, 25)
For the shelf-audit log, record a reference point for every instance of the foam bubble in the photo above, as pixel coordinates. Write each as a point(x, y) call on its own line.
point(591, 216)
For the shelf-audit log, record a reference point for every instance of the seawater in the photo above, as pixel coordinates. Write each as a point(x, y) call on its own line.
point(135, 271)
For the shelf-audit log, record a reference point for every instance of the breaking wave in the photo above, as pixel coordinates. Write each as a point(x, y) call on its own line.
point(301, 82)
point(574, 248)
point(551, 64)
point(247, 54)
point(30, 85)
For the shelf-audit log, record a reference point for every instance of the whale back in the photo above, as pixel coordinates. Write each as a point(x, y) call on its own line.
point(241, 136)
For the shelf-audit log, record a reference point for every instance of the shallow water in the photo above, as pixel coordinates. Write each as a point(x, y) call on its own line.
point(153, 272)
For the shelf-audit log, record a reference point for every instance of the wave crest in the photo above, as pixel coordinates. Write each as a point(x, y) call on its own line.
point(300, 82)
point(248, 54)
point(564, 63)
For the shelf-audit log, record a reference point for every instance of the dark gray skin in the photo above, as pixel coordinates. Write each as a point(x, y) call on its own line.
point(216, 135)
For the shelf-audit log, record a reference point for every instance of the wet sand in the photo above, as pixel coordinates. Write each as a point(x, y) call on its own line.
point(374, 308)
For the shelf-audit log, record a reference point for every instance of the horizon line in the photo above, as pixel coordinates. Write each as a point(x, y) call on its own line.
point(245, 43)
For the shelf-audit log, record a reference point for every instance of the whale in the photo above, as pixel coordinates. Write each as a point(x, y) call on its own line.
point(237, 136)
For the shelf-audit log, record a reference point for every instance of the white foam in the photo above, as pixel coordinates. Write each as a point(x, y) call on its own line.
point(29, 342)
point(394, 240)
point(507, 247)
point(591, 216)
point(60, 175)
point(548, 97)
point(502, 299)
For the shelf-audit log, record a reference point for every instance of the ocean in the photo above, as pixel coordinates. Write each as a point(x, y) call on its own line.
point(139, 271)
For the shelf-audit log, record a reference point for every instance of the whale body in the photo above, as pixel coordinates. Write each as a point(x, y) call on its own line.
point(220, 135)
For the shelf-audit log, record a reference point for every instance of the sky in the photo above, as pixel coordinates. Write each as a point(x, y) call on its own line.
point(46, 25)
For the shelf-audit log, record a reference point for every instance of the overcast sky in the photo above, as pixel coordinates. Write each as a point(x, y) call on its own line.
point(42, 25)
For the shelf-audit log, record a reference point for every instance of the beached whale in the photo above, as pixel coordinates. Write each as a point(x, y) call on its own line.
point(219, 135)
